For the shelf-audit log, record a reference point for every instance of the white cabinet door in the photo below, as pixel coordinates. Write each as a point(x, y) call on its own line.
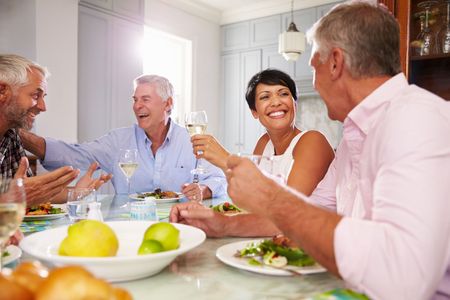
point(240, 130)
point(94, 74)
point(126, 66)
point(107, 64)
point(251, 128)
point(231, 104)
point(272, 59)
point(265, 31)
point(235, 36)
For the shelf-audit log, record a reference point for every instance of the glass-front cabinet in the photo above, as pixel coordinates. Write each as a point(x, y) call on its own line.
point(425, 42)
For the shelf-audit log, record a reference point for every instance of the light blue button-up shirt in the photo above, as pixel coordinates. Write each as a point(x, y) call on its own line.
point(169, 169)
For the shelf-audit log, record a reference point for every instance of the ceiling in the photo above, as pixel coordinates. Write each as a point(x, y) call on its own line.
point(231, 11)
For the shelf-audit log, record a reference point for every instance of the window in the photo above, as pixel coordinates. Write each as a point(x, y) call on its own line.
point(170, 56)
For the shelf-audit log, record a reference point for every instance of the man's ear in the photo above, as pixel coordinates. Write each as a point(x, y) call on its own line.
point(337, 61)
point(169, 104)
point(5, 92)
point(255, 114)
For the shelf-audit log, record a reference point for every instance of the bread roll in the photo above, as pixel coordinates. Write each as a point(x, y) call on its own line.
point(10, 290)
point(76, 283)
point(30, 274)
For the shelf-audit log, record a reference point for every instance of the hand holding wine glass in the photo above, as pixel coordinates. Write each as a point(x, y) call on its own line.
point(196, 123)
point(12, 209)
point(128, 163)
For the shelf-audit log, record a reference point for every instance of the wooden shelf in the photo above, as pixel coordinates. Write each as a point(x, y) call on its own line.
point(430, 57)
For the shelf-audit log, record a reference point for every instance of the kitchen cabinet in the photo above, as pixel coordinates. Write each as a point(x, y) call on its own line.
point(247, 48)
point(235, 36)
point(133, 9)
point(107, 64)
point(432, 72)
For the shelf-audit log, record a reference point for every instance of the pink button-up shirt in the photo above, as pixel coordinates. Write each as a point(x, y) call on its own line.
point(391, 182)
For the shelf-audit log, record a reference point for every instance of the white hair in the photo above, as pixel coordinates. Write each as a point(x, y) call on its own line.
point(14, 70)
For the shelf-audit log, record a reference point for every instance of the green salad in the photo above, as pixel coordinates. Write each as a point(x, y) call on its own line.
point(274, 253)
point(225, 207)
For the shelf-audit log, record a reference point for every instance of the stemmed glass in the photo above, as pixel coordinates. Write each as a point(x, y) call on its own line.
point(128, 163)
point(444, 34)
point(426, 37)
point(12, 209)
point(196, 123)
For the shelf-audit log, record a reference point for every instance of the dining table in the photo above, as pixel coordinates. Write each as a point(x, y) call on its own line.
point(199, 274)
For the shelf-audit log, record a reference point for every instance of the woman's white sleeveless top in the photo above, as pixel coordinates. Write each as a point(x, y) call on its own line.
point(281, 164)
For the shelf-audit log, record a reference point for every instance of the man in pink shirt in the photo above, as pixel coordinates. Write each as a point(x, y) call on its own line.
point(386, 231)
point(380, 217)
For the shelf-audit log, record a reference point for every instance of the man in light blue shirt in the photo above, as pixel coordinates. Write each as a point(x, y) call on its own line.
point(165, 158)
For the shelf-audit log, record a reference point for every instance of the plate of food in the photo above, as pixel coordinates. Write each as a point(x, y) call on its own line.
point(11, 254)
point(269, 257)
point(158, 195)
point(226, 208)
point(45, 211)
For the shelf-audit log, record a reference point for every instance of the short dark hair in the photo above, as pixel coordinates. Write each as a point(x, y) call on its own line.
point(269, 77)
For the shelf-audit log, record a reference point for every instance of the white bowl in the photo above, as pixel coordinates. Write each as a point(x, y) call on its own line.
point(126, 265)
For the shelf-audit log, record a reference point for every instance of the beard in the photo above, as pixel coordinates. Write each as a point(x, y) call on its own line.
point(17, 117)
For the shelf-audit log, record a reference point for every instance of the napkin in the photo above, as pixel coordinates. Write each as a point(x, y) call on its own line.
point(339, 294)
point(35, 226)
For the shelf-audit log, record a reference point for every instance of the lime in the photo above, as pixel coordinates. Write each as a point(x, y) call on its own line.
point(150, 246)
point(165, 233)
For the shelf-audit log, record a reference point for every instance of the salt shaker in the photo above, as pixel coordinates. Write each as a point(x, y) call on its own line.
point(94, 211)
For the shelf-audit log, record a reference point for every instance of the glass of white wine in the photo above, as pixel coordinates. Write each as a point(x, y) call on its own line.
point(12, 209)
point(196, 123)
point(128, 163)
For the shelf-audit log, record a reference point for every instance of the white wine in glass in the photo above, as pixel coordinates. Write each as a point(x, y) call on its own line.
point(12, 209)
point(194, 129)
point(196, 123)
point(128, 163)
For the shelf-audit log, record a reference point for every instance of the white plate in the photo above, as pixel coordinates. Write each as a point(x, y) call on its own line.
point(165, 200)
point(226, 255)
point(127, 265)
point(14, 254)
point(49, 216)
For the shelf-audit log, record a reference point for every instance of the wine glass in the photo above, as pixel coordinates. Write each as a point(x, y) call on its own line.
point(426, 36)
point(196, 123)
point(444, 34)
point(128, 163)
point(12, 209)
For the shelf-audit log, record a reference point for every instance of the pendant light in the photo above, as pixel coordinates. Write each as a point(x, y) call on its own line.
point(291, 43)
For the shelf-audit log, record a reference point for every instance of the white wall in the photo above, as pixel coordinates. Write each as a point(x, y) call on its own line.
point(57, 48)
point(46, 31)
point(205, 37)
point(17, 28)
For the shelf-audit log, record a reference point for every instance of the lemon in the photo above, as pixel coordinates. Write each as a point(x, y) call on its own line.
point(89, 238)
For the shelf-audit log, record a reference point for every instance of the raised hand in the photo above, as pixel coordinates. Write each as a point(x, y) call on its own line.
point(95, 183)
point(206, 146)
point(42, 188)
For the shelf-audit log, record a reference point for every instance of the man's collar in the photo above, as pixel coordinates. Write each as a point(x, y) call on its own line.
point(364, 114)
point(168, 135)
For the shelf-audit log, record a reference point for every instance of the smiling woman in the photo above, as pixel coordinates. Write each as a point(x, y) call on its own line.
point(170, 56)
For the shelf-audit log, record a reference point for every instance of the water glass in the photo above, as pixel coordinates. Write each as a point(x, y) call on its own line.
point(78, 200)
point(264, 163)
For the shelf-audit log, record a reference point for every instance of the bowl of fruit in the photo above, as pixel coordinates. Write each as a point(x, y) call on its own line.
point(114, 251)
